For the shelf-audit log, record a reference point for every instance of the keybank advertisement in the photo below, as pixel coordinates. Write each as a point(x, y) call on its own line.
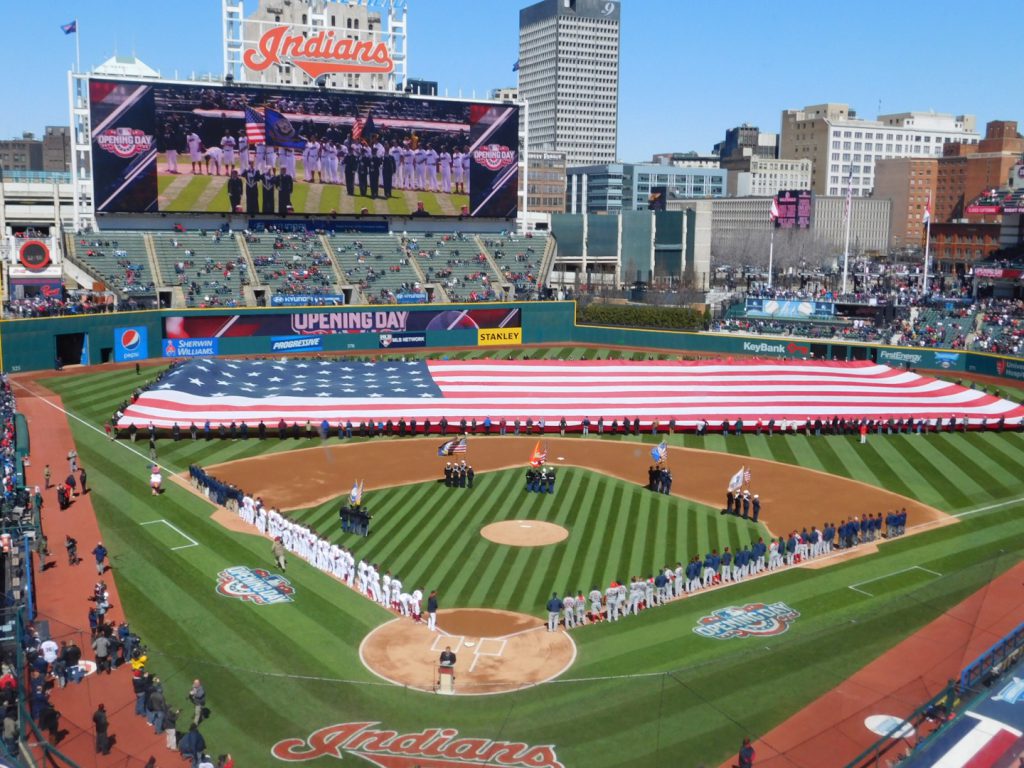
point(325, 323)
point(131, 344)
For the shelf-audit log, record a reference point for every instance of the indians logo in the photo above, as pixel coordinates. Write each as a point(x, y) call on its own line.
point(130, 339)
point(254, 585)
point(433, 747)
point(751, 620)
point(124, 142)
point(318, 54)
point(494, 157)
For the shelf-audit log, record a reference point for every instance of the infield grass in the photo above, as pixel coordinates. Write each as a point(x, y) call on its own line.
point(644, 692)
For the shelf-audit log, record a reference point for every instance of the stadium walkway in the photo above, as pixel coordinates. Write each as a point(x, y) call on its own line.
point(62, 597)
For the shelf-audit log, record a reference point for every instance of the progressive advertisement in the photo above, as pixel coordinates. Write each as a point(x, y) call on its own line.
point(191, 148)
point(380, 321)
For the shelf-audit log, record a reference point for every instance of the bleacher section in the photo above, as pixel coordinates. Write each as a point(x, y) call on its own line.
point(209, 267)
point(455, 261)
point(292, 263)
point(118, 258)
point(375, 262)
point(520, 259)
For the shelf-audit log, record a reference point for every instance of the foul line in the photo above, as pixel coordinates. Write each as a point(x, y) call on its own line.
point(887, 575)
point(176, 529)
point(988, 507)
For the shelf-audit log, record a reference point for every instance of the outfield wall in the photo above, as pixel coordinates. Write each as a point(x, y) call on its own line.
point(34, 344)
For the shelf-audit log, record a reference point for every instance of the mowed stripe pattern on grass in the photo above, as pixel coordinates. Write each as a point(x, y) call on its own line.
point(720, 691)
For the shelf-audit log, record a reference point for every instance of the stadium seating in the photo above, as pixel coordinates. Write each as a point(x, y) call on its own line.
point(292, 263)
point(376, 263)
point(118, 258)
point(455, 261)
point(520, 259)
point(209, 267)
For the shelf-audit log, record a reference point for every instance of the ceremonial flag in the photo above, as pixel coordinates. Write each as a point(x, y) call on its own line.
point(355, 497)
point(660, 452)
point(773, 212)
point(281, 132)
point(461, 445)
point(928, 210)
point(224, 390)
point(364, 127)
point(455, 445)
point(255, 132)
point(736, 481)
point(539, 456)
point(515, 67)
point(70, 28)
point(746, 475)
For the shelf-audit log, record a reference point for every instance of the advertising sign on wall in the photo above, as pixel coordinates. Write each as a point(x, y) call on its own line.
point(131, 344)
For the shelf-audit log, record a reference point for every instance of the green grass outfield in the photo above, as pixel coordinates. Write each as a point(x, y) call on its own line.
point(644, 692)
point(189, 193)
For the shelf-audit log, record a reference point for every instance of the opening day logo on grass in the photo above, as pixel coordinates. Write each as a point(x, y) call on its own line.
point(751, 620)
point(436, 747)
point(254, 585)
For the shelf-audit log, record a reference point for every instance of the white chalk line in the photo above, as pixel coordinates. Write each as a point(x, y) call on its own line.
point(176, 529)
point(855, 586)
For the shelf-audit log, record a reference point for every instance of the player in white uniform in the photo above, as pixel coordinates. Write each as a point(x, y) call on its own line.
point(214, 155)
point(385, 584)
point(446, 170)
point(595, 604)
point(408, 168)
point(228, 145)
point(569, 606)
point(331, 169)
point(430, 163)
point(396, 593)
point(271, 159)
point(466, 158)
point(404, 601)
point(195, 151)
point(419, 157)
point(396, 157)
point(774, 558)
point(459, 172)
point(581, 609)
point(243, 152)
point(417, 604)
point(289, 161)
point(261, 158)
point(315, 172)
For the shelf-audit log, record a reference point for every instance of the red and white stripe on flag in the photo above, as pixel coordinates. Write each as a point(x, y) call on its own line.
point(255, 129)
point(773, 212)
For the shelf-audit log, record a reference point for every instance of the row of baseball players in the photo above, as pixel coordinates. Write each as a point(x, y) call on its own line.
point(414, 168)
point(622, 599)
point(325, 556)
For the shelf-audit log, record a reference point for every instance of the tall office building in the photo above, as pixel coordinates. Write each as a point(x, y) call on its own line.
point(569, 77)
point(844, 146)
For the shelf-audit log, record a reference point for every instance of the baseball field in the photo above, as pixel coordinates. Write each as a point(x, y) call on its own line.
point(202, 193)
point(645, 691)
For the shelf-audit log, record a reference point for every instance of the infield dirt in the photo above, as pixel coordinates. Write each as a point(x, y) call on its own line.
point(792, 497)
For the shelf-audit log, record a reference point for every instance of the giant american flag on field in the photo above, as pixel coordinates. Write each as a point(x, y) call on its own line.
point(297, 390)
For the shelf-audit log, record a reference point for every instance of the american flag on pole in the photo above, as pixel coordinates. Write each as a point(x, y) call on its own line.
point(255, 127)
point(746, 475)
point(539, 455)
point(928, 210)
point(224, 391)
point(773, 212)
point(849, 193)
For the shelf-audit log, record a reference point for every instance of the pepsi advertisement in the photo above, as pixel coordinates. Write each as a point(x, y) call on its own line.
point(131, 344)
point(277, 152)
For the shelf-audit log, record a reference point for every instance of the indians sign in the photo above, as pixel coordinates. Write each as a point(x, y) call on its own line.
point(322, 53)
point(433, 747)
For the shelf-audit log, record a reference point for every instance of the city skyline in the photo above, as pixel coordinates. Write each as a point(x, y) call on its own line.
point(682, 83)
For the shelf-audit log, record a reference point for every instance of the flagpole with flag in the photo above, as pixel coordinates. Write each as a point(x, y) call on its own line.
point(71, 28)
point(773, 216)
point(849, 217)
point(927, 241)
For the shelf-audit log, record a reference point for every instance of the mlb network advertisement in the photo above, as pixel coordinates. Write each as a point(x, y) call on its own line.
point(286, 327)
point(182, 148)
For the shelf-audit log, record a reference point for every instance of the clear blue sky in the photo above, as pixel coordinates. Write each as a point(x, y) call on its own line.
point(689, 69)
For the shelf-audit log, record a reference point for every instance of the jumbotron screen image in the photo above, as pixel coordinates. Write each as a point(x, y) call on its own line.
point(172, 147)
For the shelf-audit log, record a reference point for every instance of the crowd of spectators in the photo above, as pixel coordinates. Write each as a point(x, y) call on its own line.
point(71, 302)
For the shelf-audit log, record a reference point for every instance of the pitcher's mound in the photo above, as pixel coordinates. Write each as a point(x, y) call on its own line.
point(524, 533)
point(496, 651)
